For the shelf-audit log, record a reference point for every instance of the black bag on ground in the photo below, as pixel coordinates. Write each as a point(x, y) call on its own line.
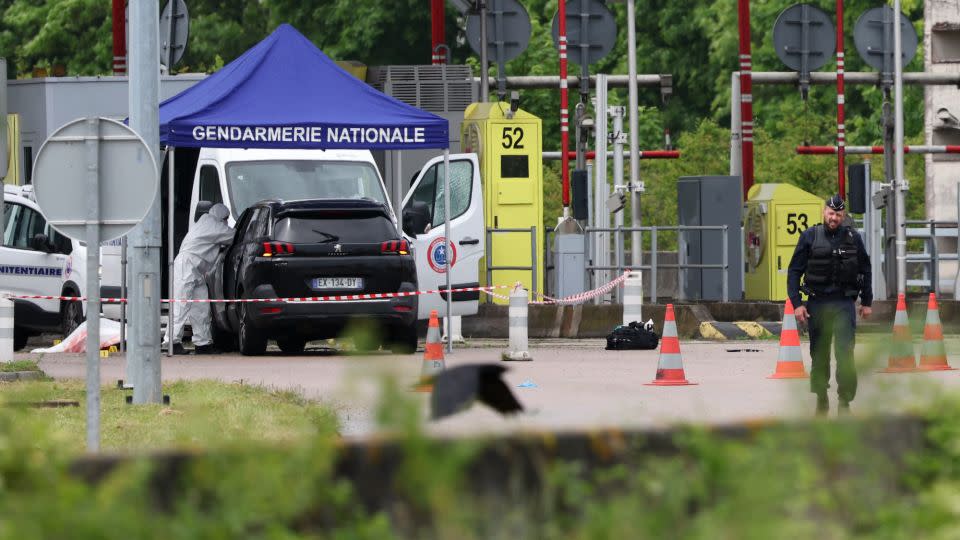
point(631, 337)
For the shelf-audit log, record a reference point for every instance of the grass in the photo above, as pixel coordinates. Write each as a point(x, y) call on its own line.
point(19, 365)
point(202, 414)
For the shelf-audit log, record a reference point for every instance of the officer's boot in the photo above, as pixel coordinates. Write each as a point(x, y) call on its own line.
point(844, 408)
point(823, 405)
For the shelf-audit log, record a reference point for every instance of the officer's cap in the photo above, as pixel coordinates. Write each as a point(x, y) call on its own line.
point(836, 203)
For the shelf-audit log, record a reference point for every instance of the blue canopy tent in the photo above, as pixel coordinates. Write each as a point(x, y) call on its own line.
point(285, 93)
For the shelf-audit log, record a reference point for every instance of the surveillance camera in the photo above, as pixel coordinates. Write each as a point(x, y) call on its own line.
point(514, 101)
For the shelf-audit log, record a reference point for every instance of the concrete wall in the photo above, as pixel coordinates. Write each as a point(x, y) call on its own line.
point(941, 41)
point(45, 104)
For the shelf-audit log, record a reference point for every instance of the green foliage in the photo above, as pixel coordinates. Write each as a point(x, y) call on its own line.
point(238, 411)
point(810, 480)
point(19, 365)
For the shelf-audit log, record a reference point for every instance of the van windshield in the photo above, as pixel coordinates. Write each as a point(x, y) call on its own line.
point(253, 181)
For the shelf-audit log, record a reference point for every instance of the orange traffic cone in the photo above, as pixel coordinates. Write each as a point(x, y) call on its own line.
point(934, 355)
point(433, 362)
point(901, 359)
point(670, 366)
point(790, 360)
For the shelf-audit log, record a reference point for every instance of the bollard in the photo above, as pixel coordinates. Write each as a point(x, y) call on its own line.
point(6, 329)
point(518, 326)
point(633, 298)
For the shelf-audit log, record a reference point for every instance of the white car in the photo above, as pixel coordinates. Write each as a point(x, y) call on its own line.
point(37, 260)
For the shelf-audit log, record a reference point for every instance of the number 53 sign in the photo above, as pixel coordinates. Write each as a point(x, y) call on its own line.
point(794, 223)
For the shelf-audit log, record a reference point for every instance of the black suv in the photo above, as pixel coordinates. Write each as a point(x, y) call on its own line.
point(310, 248)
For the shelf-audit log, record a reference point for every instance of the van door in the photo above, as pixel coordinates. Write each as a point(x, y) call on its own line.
point(27, 270)
point(466, 232)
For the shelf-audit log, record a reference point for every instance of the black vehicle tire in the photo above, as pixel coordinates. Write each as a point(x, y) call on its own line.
point(251, 341)
point(292, 345)
point(20, 338)
point(71, 315)
point(403, 339)
point(223, 340)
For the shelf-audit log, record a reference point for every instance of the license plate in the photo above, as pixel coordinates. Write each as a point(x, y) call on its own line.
point(337, 283)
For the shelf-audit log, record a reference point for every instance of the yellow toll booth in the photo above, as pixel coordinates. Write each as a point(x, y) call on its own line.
point(508, 144)
point(775, 215)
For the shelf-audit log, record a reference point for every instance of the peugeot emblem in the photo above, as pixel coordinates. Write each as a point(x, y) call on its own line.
point(338, 248)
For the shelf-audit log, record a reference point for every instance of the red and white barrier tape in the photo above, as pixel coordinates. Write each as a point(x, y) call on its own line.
point(584, 296)
point(573, 299)
point(291, 300)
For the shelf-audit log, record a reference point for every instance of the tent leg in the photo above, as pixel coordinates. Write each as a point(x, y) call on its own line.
point(170, 254)
point(448, 247)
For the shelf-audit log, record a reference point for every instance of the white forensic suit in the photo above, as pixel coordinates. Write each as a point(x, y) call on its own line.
point(198, 253)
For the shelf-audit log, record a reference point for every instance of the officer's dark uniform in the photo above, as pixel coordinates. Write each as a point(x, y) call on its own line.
point(835, 269)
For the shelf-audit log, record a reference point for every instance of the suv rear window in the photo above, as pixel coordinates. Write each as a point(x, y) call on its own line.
point(307, 230)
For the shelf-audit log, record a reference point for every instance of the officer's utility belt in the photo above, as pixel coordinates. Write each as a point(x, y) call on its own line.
point(849, 293)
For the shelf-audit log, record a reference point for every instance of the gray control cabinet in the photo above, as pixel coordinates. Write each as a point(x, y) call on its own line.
point(710, 200)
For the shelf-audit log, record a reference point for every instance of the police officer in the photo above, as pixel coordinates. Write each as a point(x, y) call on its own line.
point(835, 268)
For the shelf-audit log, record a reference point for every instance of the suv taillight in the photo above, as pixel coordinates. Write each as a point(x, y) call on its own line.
point(277, 249)
point(395, 246)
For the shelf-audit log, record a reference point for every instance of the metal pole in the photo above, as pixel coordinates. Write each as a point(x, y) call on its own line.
point(170, 251)
point(489, 263)
point(119, 38)
point(653, 265)
point(600, 218)
point(869, 78)
point(726, 266)
point(900, 185)
point(551, 82)
point(533, 259)
point(746, 95)
point(146, 239)
point(635, 186)
point(564, 110)
point(736, 165)
point(618, 113)
point(956, 280)
point(123, 294)
point(934, 259)
point(448, 244)
point(93, 283)
point(841, 128)
point(484, 76)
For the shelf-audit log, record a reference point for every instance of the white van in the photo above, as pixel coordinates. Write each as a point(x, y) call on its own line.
point(37, 260)
point(238, 178)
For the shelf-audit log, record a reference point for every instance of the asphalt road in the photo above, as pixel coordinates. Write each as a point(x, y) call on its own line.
point(577, 384)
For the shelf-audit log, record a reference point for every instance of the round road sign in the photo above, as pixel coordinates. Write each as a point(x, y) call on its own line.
point(591, 31)
point(508, 23)
point(100, 153)
point(804, 37)
point(873, 36)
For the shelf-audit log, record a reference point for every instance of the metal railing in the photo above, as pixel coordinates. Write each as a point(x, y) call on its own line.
point(931, 256)
point(532, 231)
point(653, 266)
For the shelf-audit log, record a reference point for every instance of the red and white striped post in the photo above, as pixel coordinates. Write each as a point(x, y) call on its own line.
point(841, 129)
point(564, 112)
point(437, 32)
point(746, 95)
point(119, 38)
